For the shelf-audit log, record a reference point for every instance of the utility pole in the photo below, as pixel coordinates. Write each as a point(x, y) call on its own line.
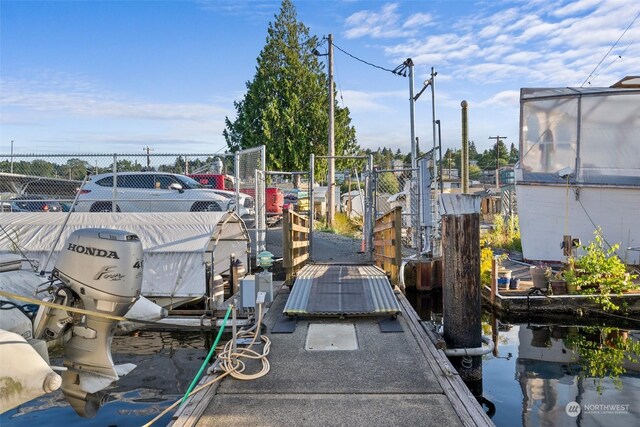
point(412, 115)
point(147, 149)
point(11, 156)
point(432, 82)
point(331, 151)
point(498, 138)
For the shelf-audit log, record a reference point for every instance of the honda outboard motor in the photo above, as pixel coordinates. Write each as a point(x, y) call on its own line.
point(99, 270)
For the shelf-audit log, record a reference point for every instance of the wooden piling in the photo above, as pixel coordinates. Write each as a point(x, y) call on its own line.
point(461, 291)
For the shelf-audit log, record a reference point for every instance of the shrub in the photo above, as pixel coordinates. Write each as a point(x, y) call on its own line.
point(504, 235)
point(599, 272)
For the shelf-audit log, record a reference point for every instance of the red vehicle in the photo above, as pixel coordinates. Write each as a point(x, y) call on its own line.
point(274, 197)
point(217, 181)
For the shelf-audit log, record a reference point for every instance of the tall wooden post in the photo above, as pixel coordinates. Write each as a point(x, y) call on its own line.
point(461, 289)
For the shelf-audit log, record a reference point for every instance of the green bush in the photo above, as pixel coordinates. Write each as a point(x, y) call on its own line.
point(504, 235)
point(599, 272)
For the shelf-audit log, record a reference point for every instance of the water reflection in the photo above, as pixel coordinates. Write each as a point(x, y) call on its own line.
point(538, 369)
point(166, 364)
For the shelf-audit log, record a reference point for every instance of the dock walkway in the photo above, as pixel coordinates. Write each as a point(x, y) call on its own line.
point(391, 378)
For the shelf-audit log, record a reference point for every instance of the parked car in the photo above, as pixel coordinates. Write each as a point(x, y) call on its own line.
point(149, 192)
point(34, 204)
point(247, 204)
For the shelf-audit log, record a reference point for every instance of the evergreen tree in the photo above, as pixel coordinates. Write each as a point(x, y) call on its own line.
point(489, 158)
point(514, 154)
point(286, 104)
point(473, 151)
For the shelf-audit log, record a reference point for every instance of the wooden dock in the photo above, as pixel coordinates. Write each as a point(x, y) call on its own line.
point(523, 301)
point(385, 372)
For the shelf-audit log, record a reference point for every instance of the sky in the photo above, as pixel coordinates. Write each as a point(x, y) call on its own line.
point(119, 76)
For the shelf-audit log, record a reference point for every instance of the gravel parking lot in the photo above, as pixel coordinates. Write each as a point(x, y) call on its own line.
point(327, 247)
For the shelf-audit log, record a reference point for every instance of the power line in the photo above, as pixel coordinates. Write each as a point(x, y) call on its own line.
point(618, 57)
point(609, 51)
point(397, 71)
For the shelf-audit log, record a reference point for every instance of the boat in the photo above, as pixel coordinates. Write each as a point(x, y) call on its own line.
point(95, 281)
point(578, 169)
point(186, 255)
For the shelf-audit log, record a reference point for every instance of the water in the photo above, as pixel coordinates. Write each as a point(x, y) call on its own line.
point(540, 368)
point(167, 362)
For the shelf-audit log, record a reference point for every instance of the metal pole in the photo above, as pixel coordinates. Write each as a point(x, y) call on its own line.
point(114, 188)
point(311, 202)
point(236, 165)
point(369, 211)
point(498, 138)
point(412, 115)
point(433, 121)
point(11, 170)
point(436, 249)
point(331, 151)
point(440, 156)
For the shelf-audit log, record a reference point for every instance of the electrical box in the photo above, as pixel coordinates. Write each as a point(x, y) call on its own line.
point(248, 291)
point(264, 281)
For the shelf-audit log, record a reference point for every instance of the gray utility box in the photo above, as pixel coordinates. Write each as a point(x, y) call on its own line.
point(248, 291)
point(251, 284)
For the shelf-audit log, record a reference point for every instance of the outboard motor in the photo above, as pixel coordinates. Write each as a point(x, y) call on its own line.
point(99, 270)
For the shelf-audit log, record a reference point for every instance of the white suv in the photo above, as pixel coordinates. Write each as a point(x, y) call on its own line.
point(149, 192)
point(247, 204)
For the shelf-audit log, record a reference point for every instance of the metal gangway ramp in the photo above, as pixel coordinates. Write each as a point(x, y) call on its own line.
point(341, 290)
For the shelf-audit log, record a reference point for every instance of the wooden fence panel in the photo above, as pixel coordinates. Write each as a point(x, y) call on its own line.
point(387, 243)
point(295, 243)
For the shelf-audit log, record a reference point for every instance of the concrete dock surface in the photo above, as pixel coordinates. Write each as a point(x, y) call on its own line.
point(392, 378)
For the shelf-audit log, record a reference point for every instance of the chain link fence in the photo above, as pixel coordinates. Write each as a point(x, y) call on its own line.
point(287, 189)
point(399, 187)
point(148, 182)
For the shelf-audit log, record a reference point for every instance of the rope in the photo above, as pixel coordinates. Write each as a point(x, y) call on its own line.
point(28, 310)
point(231, 365)
point(77, 310)
point(63, 307)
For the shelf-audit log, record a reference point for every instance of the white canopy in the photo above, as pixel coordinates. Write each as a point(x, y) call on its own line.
point(177, 245)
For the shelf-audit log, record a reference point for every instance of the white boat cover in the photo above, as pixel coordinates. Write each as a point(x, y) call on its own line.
point(177, 245)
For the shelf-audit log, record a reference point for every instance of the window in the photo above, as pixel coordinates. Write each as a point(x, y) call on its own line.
point(136, 181)
point(105, 182)
point(166, 180)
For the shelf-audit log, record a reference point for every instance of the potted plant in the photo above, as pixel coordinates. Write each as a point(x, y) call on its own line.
point(539, 276)
point(557, 282)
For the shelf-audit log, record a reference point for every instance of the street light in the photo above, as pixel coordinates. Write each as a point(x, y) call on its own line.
point(11, 156)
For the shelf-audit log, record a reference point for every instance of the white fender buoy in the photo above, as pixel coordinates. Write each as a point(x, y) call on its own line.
point(24, 375)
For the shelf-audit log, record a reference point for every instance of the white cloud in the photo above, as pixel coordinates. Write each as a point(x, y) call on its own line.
point(528, 42)
point(386, 23)
point(370, 101)
point(84, 100)
point(575, 7)
point(418, 20)
point(507, 98)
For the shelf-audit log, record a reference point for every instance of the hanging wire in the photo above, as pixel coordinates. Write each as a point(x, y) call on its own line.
point(618, 57)
point(400, 70)
point(337, 75)
point(609, 51)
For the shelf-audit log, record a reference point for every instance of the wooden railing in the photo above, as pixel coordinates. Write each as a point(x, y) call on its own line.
point(295, 243)
point(387, 243)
